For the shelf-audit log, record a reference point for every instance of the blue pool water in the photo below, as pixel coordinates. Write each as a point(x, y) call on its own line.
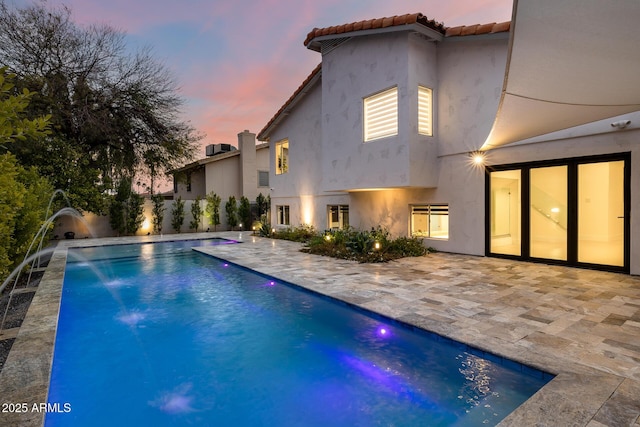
point(160, 335)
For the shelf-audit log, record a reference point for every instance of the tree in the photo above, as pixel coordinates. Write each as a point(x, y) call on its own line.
point(244, 212)
point(196, 213)
point(13, 125)
point(177, 214)
point(126, 209)
point(212, 209)
point(231, 208)
point(157, 212)
point(24, 195)
point(114, 113)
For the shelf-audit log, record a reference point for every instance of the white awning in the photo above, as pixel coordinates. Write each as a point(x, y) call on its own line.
point(570, 62)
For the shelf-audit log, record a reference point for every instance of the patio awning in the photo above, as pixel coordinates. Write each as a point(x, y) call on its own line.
point(570, 62)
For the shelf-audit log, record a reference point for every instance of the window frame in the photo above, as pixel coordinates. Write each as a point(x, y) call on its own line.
point(282, 167)
point(340, 210)
point(264, 173)
point(373, 105)
point(425, 129)
point(429, 209)
point(283, 216)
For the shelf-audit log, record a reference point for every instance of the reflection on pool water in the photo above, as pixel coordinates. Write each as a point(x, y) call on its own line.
point(157, 334)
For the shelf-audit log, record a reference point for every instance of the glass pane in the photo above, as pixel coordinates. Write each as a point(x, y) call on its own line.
point(334, 220)
point(601, 213)
point(548, 213)
point(420, 221)
point(505, 212)
point(344, 211)
point(439, 222)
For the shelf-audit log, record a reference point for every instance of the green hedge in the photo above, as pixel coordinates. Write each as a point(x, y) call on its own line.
point(24, 196)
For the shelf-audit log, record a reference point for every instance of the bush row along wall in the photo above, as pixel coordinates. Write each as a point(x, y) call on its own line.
point(93, 225)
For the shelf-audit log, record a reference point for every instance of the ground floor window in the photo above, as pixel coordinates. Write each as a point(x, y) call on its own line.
point(572, 211)
point(338, 216)
point(282, 212)
point(430, 221)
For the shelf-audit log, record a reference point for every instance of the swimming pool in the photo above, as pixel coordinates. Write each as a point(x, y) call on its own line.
point(156, 334)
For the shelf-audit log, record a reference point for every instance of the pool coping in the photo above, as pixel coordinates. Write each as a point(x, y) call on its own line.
point(25, 376)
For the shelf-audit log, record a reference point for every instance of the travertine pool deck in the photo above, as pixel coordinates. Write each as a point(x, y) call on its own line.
point(582, 325)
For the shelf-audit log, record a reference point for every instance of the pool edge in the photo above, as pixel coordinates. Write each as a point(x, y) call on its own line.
point(549, 406)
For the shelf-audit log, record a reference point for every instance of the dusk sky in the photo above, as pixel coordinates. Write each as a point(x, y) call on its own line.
point(237, 62)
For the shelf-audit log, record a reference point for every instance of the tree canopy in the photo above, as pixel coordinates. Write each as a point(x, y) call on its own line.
point(113, 114)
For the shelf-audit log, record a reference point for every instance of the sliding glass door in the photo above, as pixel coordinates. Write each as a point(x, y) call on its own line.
point(569, 211)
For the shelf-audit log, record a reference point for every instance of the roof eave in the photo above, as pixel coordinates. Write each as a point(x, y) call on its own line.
point(315, 44)
point(265, 133)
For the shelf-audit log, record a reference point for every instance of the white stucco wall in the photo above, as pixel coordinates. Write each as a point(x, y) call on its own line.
point(358, 68)
point(197, 185)
point(471, 73)
point(301, 187)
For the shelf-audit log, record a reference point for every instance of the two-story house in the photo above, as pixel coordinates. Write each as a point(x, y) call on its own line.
point(394, 128)
point(227, 171)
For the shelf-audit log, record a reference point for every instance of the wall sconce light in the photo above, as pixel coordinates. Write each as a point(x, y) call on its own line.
point(477, 158)
point(621, 124)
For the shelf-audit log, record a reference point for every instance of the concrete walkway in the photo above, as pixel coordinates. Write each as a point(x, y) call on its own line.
point(582, 325)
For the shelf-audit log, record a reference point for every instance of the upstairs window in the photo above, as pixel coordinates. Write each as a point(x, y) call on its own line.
point(425, 111)
point(263, 178)
point(282, 157)
point(381, 115)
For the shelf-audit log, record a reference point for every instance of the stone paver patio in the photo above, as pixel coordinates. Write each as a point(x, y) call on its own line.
point(582, 325)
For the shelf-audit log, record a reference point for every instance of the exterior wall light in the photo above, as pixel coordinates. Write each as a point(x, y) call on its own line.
point(478, 158)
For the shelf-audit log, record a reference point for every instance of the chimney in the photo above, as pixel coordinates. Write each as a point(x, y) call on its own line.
point(249, 172)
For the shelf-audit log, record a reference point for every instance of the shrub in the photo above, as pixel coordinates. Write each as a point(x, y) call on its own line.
point(177, 214)
point(374, 245)
point(244, 212)
point(24, 196)
point(212, 209)
point(302, 233)
point(157, 212)
point(409, 246)
point(126, 209)
point(265, 227)
point(231, 208)
point(196, 213)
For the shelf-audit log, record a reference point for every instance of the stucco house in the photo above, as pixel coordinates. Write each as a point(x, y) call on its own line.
point(482, 139)
point(227, 171)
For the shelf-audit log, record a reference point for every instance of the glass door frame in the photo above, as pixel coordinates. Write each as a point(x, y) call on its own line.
point(572, 191)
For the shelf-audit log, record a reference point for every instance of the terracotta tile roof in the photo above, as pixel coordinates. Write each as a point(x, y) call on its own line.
point(372, 24)
point(287, 105)
point(474, 30)
point(412, 18)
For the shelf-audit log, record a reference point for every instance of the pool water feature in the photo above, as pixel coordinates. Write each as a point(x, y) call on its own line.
point(157, 334)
